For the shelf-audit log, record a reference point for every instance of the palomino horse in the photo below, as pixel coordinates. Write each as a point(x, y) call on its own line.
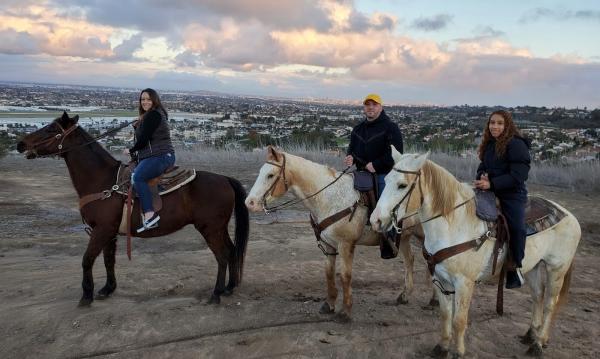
point(447, 215)
point(303, 178)
point(207, 202)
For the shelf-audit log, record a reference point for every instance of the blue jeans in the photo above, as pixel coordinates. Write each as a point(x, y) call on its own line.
point(380, 185)
point(147, 169)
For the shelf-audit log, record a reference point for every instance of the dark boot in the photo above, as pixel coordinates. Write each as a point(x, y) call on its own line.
point(514, 279)
point(387, 245)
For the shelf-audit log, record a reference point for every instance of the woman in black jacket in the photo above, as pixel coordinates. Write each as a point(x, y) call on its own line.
point(153, 149)
point(504, 167)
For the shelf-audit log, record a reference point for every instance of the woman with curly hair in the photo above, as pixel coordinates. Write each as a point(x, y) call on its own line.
point(504, 167)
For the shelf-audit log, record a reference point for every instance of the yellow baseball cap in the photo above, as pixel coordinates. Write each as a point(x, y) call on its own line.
point(373, 97)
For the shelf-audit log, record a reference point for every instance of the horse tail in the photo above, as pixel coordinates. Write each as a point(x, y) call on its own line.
point(242, 229)
point(564, 290)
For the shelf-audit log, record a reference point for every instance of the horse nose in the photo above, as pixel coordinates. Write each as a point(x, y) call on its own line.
point(21, 147)
point(250, 203)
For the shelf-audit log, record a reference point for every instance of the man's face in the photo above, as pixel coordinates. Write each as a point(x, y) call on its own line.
point(372, 109)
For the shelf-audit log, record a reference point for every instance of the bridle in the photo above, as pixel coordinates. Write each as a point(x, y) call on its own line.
point(396, 222)
point(281, 175)
point(407, 196)
point(65, 133)
point(271, 189)
point(58, 137)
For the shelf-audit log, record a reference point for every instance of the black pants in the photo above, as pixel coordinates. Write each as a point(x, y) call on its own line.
point(514, 211)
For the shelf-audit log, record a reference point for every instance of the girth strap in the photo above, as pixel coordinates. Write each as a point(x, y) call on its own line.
point(319, 227)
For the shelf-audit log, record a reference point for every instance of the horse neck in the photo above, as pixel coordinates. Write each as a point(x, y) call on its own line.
point(307, 178)
point(460, 224)
point(91, 168)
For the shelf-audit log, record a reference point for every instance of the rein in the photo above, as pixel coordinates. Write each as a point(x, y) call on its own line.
point(62, 136)
point(291, 202)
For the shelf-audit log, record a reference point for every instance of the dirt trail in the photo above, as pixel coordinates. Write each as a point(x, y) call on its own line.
point(159, 308)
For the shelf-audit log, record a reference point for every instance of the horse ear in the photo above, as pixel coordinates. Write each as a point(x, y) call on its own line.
point(420, 160)
point(64, 116)
point(272, 154)
point(75, 119)
point(395, 154)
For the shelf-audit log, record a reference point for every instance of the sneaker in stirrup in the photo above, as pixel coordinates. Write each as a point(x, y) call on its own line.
point(150, 223)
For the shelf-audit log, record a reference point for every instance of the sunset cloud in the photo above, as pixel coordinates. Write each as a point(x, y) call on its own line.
point(290, 47)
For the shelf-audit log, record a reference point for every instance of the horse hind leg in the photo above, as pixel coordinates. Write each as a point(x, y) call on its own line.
point(109, 252)
point(232, 265)
point(536, 284)
point(557, 283)
point(217, 244)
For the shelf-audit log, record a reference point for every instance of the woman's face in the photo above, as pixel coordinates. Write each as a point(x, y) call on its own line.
point(496, 125)
point(145, 101)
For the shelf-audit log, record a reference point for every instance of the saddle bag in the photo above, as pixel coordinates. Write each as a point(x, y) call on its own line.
point(363, 181)
point(486, 205)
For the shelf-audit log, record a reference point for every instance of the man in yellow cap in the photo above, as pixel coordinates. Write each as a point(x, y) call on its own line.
point(370, 150)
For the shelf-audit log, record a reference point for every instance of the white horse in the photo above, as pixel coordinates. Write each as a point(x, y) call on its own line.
point(283, 172)
point(441, 194)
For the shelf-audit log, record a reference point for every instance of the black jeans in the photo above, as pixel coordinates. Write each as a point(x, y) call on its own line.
point(513, 209)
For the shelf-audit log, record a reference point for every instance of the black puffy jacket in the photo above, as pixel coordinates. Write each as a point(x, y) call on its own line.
point(370, 142)
point(508, 173)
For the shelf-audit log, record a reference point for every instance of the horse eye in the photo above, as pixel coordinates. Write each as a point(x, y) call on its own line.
point(270, 176)
point(401, 186)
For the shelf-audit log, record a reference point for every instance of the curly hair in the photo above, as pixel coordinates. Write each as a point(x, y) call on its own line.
point(510, 130)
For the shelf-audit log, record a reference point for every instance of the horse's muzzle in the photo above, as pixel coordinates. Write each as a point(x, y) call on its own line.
point(22, 147)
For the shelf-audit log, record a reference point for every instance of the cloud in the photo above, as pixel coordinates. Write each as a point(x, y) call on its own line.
point(541, 13)
point(125, 50)
point(17, 42)
point(434, 23)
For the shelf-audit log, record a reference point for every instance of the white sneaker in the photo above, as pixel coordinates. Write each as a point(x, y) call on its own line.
point(520, 275)
point(150, 223)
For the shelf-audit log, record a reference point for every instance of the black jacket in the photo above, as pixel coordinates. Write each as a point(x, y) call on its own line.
point(370, 142)
point(152, 135)
point(507, 174)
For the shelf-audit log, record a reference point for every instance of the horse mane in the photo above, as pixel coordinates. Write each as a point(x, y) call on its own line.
point(445, 190)
point(96, 147)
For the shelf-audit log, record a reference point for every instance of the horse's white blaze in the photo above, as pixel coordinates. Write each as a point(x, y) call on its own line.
point(266, 176)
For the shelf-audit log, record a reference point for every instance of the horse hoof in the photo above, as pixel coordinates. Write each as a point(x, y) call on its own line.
point(85, 302)
point(342, 317)
point(214, 299)
point(439, 352)
point(528, 338)
point(228, 291)
point(402, 299)
point(326, 309)
point(457, 356)
point(535, 350)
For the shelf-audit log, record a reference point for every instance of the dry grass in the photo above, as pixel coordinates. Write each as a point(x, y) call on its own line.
point(577, 176)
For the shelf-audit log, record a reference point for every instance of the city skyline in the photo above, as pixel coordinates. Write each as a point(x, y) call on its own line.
point(441, 53)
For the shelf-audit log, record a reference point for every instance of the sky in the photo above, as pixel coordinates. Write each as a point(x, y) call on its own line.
point(509, 53)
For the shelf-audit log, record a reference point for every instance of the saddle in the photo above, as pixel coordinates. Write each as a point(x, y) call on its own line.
point(172, 179)
point(365, 183)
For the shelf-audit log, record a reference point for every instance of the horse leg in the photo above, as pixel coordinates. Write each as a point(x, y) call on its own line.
point(409, 261)
point(109, 263)
point(347, 253)
point(462, 302)
point(216, 243)
point(446, 310)
point(535, 282)
point(97, 241)
point(232, 265)
point(554, 283)
point(328, 306)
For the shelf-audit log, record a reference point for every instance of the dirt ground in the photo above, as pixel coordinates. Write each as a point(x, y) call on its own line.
point(159, 309)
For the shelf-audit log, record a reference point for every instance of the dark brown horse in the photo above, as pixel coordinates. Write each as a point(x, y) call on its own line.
point(207, 202)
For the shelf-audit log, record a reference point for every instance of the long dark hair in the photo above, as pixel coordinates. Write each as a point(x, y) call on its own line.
point(510, 130)
point(156, 104)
